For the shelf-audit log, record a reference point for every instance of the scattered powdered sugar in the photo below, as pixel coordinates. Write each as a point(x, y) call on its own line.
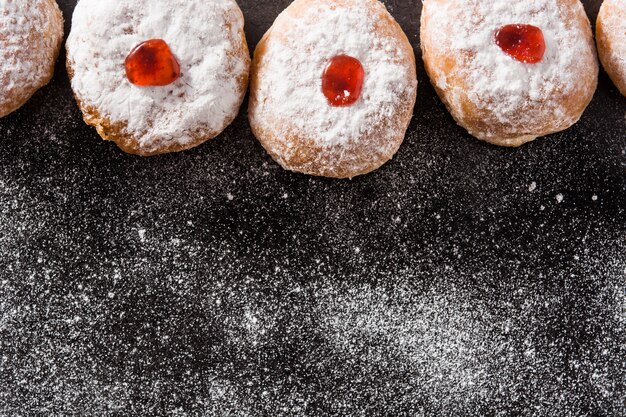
point(290, 98)
point(204, 37)
point(462, 349)
point(513, 93)
point(30, 36)
point(434, 287)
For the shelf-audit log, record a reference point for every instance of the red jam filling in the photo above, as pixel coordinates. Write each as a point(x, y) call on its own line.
point(342, 80)
point(152, 64)
point(524, 43)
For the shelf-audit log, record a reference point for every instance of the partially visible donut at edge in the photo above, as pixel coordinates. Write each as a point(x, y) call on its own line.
point(611, 38)
point(294, 118)
point(204, 38)
point(499, 98)
point(31, 33)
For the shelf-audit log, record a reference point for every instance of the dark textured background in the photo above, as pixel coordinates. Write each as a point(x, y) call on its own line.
point(453, 281)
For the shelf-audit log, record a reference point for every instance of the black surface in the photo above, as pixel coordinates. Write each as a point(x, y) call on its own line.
point(450, 282)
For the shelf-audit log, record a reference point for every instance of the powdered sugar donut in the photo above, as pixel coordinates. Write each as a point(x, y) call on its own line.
point(158, 76)
point(333, 87)
point(611, 37)
point(31, 32)
point(510, 72)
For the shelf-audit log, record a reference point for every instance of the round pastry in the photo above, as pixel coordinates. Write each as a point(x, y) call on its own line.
point(333, 87)
point(31, 32)
point(510, 72)
point(611, 37)
point(158, 76)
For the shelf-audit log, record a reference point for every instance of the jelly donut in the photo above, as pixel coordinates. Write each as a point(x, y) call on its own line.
point(510, 72)
point(333, 86)
point(611, 37)
point(158, 76)
point(31, 32)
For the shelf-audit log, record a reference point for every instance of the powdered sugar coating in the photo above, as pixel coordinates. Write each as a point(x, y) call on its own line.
point(207, 40)
point(288, 104)
point(31, 32)
point(612, 40)
point(513, 99)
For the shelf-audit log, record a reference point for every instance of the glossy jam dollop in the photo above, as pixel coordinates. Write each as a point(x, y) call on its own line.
point(342, 80)
point(152, 64)
point(524, 43)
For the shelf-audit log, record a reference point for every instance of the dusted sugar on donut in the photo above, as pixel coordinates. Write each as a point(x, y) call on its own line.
point(294, 117)
point(496, 97)
point(611, 37)
point(207, 41)
point(31, 32)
